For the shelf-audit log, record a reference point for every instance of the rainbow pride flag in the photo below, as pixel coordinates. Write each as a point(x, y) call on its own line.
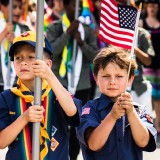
point(86, 16)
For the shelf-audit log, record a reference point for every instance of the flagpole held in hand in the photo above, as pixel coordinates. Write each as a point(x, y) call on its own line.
point(38, 81)
point(132, 54)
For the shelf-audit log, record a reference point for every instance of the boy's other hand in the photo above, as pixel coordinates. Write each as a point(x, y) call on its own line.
point(125, 101)
point(34, 114)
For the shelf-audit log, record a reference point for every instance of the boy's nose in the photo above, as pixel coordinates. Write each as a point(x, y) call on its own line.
point(23, 63)
point(112, 81)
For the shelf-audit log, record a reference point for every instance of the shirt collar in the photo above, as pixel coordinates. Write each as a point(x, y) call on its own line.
point(104, 101)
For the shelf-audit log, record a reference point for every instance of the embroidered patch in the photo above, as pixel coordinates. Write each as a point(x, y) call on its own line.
point(25, 34)
point(86, 111)
point(54, 130)
point(12, 113)
point(149, 119)
point(54, 144)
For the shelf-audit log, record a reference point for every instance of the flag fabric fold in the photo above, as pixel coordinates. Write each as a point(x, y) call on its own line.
point(117, 23)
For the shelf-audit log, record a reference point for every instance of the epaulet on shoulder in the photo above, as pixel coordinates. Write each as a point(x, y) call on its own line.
point(137, 105)
point(7, 93)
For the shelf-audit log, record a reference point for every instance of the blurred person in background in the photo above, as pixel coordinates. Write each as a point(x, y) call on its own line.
point(141, 89)
point(53, 12)
point(143, 51)
point(8, 31)
point(151, 22)
point(28, 16)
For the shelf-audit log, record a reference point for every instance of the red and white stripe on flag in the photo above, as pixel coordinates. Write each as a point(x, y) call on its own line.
point(117, 23)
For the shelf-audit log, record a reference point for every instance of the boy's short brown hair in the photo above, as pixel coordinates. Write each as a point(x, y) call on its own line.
point(116, 55)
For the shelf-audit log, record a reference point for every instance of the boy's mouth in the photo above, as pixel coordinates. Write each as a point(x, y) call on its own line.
point(23, 70)
point(112, 88)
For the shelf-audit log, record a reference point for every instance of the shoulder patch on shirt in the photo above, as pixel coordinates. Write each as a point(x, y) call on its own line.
point(85, 111)
point(149, 119)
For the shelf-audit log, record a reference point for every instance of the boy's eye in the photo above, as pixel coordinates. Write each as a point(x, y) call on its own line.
point(17, 58)
point(106, 76)
point(32, 57)
point(119, 76)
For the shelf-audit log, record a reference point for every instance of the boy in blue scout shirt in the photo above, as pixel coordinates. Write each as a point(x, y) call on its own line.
point(112, 127)
point(17, 110)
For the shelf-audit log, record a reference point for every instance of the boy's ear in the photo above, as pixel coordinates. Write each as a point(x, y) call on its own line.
point(130, 81)
point(95, 78)
point(49, 63)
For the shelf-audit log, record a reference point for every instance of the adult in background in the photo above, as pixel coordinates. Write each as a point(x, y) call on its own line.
point(151, 22)
point(61, 35)
point(141, 88)
point(7, 33)
point(53, 12)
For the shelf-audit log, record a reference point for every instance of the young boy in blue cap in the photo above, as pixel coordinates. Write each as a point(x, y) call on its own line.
point(112, 127)
point(17, 110)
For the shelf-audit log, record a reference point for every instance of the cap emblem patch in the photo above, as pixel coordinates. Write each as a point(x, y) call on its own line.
point(25, 34)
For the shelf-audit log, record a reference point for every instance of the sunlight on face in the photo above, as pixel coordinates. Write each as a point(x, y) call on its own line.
point(22, 64)
point(112, 80)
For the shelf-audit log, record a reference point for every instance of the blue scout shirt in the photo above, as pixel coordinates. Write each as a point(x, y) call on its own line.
point(117, 147)
point(59, 121)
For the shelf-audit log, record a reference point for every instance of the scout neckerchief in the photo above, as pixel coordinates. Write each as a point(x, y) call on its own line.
point(25, 96)
point(66, 63)
point(4, 54)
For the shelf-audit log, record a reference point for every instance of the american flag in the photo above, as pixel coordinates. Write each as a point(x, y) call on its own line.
point(117, 23)
point(85, 111)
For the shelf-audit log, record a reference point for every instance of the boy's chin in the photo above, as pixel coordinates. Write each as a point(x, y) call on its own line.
point(114, 98)
point(26, 79)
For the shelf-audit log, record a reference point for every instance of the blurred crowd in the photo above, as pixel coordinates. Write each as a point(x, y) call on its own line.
point(146, 87)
